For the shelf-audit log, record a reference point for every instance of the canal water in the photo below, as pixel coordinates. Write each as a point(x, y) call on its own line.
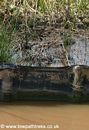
point(64, 116)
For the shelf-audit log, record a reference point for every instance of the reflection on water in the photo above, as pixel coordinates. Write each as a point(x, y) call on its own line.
point(67, 116)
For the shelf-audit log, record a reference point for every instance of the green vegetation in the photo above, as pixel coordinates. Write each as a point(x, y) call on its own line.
point(17, 17)
point(5, 45)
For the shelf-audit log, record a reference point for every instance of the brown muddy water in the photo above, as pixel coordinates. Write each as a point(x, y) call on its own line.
point(66, 116)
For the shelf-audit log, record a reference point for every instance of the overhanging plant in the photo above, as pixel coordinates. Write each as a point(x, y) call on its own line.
point(5, 45)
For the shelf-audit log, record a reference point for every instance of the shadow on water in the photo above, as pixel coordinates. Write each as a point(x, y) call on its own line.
point(40, 103)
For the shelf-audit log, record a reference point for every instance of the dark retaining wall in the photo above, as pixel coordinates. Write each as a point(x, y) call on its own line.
point(35, 83)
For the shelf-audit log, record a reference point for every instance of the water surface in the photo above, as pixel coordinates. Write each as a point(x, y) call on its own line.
point(67, 116)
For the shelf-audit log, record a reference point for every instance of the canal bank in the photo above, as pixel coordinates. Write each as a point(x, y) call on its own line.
point(44, 83)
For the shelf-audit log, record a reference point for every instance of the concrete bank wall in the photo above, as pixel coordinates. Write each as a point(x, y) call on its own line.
point(33, 83)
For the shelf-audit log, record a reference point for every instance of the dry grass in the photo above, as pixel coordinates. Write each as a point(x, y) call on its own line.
point(17, 16)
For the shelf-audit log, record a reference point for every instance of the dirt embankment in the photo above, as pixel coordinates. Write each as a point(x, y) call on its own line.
point(49, 45)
